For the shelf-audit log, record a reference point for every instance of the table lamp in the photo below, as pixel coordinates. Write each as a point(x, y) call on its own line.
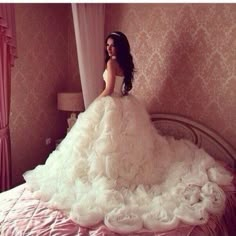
point(72, 102)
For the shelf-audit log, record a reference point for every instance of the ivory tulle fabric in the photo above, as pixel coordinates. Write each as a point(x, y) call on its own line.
point(114, 167)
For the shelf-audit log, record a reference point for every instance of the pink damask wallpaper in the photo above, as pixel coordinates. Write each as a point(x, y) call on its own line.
point(185, 59)
point(46, 65)
point(184, 55)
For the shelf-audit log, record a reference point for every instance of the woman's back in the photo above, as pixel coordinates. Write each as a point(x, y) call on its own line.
point(118, 82)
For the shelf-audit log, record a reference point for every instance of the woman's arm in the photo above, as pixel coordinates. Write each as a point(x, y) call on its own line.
point(111, 76)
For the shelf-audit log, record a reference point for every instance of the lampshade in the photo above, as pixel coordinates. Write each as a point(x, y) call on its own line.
point(68, 101)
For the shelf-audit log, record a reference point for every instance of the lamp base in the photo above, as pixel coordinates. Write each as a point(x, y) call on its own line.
point(71, 121)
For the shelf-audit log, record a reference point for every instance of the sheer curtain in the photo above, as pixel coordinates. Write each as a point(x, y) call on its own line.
point(89, 21)
point(7, 56)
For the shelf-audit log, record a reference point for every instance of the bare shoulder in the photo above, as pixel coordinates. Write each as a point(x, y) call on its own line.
point(112, 66)
point(112, 63)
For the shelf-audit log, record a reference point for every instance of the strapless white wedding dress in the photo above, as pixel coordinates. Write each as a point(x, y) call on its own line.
point(114, 167)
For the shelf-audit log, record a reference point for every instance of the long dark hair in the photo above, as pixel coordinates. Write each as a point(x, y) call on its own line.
point(123, 57)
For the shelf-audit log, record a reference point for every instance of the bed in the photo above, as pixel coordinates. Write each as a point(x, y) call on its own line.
point(21, 214)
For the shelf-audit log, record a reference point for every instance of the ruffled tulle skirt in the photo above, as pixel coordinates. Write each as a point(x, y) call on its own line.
point(114, 167)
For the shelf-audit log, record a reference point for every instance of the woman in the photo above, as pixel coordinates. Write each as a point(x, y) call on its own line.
point(114, 167)
point(119, 63)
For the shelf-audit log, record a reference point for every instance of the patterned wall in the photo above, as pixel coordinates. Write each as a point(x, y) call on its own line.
point(185, 58)
point(184, 54)
point(45, 65)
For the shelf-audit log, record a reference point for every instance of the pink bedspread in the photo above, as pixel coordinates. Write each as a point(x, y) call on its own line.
point(21, 215)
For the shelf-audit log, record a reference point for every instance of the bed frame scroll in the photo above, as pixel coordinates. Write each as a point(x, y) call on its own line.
point(203, 137)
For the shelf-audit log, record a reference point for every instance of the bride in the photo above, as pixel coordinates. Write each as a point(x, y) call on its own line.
point(113, 167)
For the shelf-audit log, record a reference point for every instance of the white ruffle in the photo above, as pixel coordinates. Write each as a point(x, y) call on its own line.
point(86, 216)
point(213, 198)
point(220, 175)
point(192, 214)
point(114, 166)
point(160, 220)
point(123, 220)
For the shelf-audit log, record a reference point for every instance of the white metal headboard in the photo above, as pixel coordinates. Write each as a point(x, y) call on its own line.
point(182, 127)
